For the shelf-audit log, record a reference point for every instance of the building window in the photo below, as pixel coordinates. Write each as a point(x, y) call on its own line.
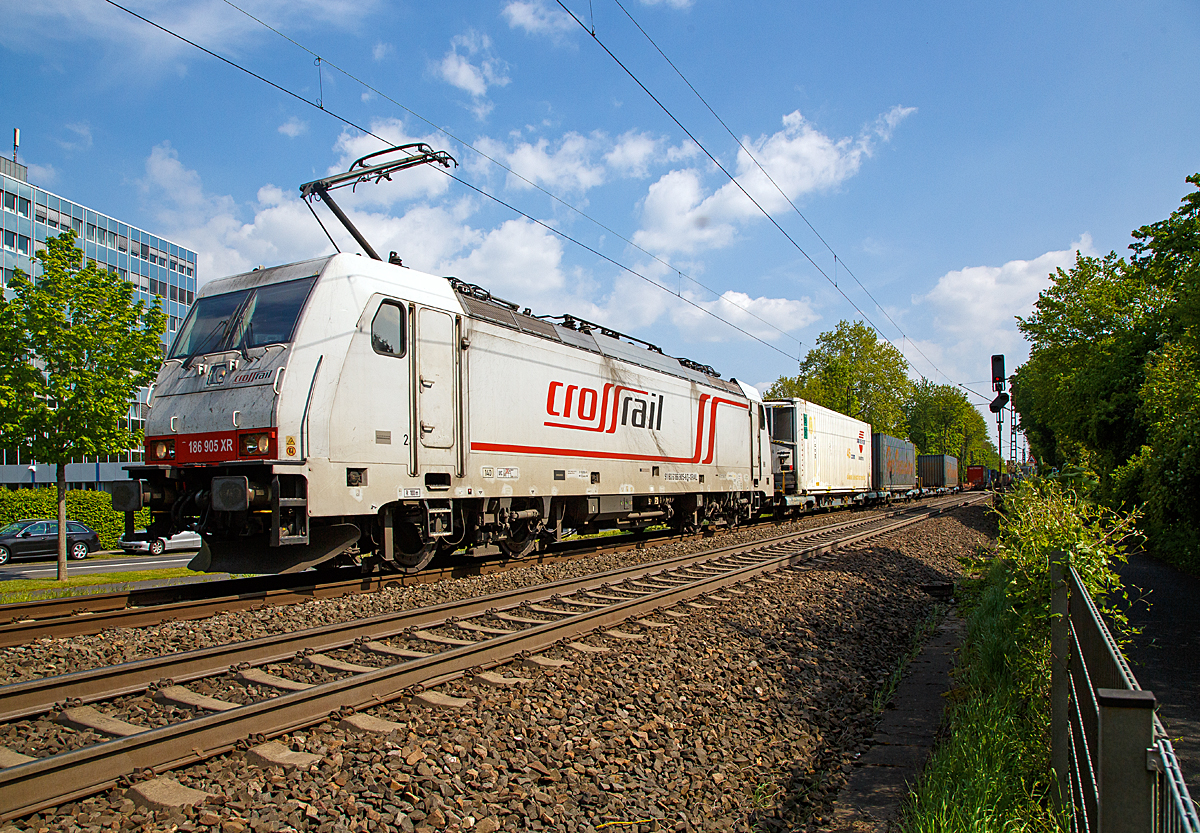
point(91, 232)
point(77, 225)
point(174, 323)
point(10, 201)
point(40, 214)
point(122, 244)
point(23, 206)
point(22, 244)
point(10, 239)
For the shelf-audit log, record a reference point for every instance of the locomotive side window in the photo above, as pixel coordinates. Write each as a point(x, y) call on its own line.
point(387, 330)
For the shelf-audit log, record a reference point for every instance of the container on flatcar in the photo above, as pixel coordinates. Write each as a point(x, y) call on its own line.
point(818, 456)
point(977, 476)
point(893, 464)
point(937, 471)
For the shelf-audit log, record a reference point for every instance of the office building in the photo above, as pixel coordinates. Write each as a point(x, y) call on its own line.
point(162, 271)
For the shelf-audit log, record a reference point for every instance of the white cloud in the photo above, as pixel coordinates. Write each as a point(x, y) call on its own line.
point(82, 139)
point(632, 153)
point(761, 317)
point(565, 166)
point(381, 50)
point(537, 17)
point(293, 127)
point(678, 216)
point(472, 66)
point(43, 175)
point(674, 4)
point(519, 258)
point(578, 163)
point(48, 26)
point(972, 312)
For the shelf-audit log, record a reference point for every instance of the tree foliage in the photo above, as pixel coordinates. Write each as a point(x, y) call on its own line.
point(79, 347)
point(1113, 378)
point(854, 373)
point(941, 420)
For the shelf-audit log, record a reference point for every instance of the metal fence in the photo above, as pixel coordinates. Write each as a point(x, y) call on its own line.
point(1109, 751)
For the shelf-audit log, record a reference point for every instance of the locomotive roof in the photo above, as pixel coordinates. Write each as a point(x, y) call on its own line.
point(481, 305)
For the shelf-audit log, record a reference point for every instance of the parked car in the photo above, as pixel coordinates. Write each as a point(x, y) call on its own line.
point(38, 537)
point(186, 540)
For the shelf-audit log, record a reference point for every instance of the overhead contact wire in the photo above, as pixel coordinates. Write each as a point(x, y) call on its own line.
point(769, 178)
point(475, 188)
point(444, 131)
point(722, 168)
point(776, 185)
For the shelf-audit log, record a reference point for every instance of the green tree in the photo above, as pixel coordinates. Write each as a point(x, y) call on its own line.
point(941, 420)
point(80, 347)
point(1113, 379)
point(854, 373)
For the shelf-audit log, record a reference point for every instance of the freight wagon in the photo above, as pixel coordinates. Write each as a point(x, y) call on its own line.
point(819, 457)
point(893, 467)
point(937, 471)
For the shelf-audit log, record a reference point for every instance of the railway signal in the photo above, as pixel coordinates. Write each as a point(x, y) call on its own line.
point(998, 377)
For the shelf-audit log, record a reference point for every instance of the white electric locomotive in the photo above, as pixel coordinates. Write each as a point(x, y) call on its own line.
point(348, 404)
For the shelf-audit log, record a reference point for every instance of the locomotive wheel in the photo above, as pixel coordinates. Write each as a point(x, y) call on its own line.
point(520, 542)
point(412, 553)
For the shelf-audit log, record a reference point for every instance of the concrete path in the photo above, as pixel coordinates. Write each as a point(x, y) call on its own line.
point(1165, 658)
point(880, 781)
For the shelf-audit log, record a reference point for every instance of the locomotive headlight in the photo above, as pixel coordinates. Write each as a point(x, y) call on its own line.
point(164, 449)
point(256, 444)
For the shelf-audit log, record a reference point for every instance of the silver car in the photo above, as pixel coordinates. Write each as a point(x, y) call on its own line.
point(185, 540)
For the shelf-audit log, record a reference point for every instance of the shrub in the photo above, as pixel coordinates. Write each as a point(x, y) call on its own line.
point(86, 506)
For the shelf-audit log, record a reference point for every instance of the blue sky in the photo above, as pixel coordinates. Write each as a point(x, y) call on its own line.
point(952, 155)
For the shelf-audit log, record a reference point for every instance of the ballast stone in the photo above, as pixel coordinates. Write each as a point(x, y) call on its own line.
point(164, 793)
point(367, 723)
point(274, 753)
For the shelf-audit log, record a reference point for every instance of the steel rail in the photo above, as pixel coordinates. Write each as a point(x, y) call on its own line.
point(82, 615)
point(38, 696)
point(51, 781)
point(89, 614)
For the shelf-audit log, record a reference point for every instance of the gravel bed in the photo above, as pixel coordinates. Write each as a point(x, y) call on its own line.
point(742, 716)
point(48, 657)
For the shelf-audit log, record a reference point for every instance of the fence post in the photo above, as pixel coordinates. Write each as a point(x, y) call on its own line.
point(1060, 688)
point(1125, 784)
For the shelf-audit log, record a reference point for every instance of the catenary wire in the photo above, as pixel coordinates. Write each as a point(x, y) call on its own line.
point(475, 188)
point(513, 173)
point(776, 185)
point(757, 205)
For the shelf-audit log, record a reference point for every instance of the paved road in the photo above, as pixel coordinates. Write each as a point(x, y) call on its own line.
point(1166, 657)
point(102, 563)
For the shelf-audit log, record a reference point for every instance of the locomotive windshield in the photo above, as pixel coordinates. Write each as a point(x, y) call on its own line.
point(242, 319)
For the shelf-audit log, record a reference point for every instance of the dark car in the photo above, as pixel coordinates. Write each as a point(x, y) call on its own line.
point(39, 537)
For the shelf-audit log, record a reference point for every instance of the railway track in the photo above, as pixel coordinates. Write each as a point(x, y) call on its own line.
point(23, 622)
point(370, 661)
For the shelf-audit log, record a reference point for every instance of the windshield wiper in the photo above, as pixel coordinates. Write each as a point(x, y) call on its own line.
point(213, 337)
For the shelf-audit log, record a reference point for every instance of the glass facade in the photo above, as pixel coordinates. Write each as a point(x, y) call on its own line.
point(163, 272)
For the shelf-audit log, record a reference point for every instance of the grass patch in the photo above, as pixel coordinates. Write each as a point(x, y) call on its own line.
point(27, 590)
point(993, 772)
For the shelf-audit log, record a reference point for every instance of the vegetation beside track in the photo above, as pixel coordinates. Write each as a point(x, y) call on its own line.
point(1112, 384)
point(15, 591)
point(992, 773)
